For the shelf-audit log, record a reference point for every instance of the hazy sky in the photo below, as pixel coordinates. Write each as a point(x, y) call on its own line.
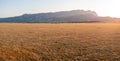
point(10, 8)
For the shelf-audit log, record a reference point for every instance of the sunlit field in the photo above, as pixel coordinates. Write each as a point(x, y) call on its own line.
point(60, 42)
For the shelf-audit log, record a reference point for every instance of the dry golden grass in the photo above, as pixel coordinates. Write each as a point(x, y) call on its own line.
point(60, 42)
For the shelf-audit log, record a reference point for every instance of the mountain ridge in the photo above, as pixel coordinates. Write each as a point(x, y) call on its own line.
point(59, 17)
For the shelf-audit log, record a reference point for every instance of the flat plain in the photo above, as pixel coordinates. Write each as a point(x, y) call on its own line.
point(60, 42)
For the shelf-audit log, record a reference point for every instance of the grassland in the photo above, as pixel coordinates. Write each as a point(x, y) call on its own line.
point(60, 42)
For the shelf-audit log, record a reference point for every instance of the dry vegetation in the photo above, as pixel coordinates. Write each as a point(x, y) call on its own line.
point(60, 42)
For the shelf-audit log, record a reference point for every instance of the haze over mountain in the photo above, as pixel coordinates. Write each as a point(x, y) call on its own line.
point(59, 17)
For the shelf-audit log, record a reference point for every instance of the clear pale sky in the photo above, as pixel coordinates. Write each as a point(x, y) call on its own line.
point(10, 8)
